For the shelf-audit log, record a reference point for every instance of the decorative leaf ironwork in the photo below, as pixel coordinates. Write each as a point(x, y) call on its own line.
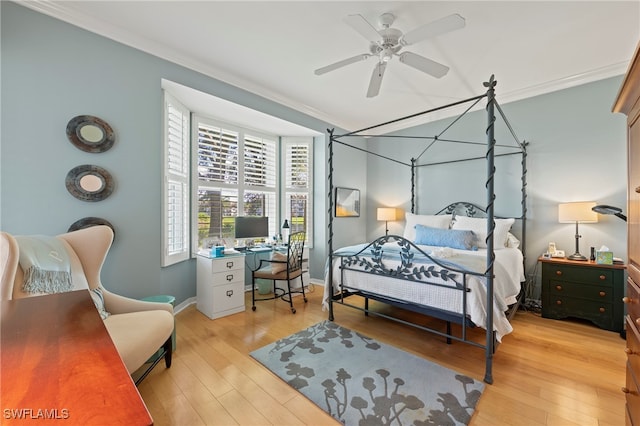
point(370, 260)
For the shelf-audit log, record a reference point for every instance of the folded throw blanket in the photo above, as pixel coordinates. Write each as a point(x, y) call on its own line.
point(45, 263)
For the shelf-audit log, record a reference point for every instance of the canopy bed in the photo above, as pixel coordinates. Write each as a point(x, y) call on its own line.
point(462, 264)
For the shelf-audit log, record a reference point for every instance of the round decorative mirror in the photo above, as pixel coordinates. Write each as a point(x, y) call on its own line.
point(90, 133)
point(87, 222)
point(89, 183)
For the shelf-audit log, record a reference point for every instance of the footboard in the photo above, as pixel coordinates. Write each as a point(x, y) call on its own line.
point(396, 271)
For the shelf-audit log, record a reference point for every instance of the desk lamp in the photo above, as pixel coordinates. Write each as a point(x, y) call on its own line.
point(386, 214)
point(579, 212)
point(285, 229)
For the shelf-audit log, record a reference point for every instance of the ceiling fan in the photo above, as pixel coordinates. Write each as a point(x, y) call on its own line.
point(385, 43)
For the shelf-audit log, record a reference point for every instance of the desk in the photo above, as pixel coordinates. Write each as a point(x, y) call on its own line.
point(58, 362)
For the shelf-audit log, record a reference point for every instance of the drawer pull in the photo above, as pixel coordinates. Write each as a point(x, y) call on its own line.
point(603, 277)
point(602, 294)
point(625, 390)
point(558, 273)
point(638, 189)
point(229, 293)
point(230, 264)
point(558, 302)
point(559, 287)
point(638, 322)
point(230, 277)
point(602, 310)
point(630, 351)
point(627, 300)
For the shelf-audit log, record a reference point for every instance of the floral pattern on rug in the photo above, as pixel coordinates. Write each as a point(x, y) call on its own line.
point(362, 382)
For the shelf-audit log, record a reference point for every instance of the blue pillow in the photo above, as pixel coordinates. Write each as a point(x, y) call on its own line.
point(454, 238)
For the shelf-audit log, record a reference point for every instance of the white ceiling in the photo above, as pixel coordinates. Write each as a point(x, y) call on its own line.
point(272, 48)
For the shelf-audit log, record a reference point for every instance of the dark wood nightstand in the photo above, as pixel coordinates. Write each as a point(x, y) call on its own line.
point(584, 290)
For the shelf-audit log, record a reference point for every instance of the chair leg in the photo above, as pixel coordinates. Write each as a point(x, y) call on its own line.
point(253, 292)
point(293, 310)
point(167, 347)
point(304, 296)
point(168, 351)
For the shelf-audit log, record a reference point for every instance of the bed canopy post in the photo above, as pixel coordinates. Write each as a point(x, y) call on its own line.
point(413, 185)
point(524, 201)
point(330, 211)
point(489, 347)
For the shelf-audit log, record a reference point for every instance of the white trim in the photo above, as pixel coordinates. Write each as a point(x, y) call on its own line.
point(127, 38)
point(184, 305)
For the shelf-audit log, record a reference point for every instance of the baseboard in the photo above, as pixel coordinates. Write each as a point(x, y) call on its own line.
point(190, 301)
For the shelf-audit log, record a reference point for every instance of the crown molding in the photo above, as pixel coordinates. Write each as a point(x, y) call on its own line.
point(70, 16)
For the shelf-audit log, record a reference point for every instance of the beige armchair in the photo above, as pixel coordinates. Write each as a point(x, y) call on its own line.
point(138, 328)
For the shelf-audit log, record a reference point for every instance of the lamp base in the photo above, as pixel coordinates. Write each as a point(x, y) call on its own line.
point(576, 256)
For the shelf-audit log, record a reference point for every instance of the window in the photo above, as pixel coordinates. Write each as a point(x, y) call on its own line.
point(298, 184)
point(175, 188)
point(215, 171)
point(236, 176)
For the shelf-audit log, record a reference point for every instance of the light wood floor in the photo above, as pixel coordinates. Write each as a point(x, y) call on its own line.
point(546, 372)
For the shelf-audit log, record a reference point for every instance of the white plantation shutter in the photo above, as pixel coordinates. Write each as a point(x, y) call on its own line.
point(260, 177)
point(175, 218)
point(259, 162)
point(217, 154)
point(298, 185)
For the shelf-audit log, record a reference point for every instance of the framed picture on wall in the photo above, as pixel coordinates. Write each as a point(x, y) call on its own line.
point(347, 202)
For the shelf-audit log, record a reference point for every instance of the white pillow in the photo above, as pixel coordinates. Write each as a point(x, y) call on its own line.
point(512, 241)
point(431, 220)
point(479, 226)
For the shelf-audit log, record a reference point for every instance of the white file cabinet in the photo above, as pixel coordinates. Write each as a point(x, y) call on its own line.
point(220, 285)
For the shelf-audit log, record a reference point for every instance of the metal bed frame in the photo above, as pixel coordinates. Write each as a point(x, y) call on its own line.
point(406, 271)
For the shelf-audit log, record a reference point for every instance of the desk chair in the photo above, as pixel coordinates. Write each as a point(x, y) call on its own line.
point(283, 268)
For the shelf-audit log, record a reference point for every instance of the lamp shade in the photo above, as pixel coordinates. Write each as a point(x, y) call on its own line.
point(577, 212)
point(386, 213)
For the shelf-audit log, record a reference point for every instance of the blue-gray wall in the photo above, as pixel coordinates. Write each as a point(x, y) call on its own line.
point(53, 71)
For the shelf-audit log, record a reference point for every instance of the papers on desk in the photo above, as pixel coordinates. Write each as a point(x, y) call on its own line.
point(231, 251)
point(259, 249)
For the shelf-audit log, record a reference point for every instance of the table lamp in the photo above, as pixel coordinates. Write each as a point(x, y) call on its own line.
point(577, 212)
point(386, 214)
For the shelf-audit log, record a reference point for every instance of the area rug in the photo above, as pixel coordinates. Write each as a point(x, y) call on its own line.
point(360, 382)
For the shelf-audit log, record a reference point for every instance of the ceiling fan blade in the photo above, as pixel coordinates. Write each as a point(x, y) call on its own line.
point(342, 63)
point(363, 27)
point(423, 64)
point(434, 29)
point(376, 79)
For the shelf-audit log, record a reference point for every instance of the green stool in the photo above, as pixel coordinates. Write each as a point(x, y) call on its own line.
point(163, 298)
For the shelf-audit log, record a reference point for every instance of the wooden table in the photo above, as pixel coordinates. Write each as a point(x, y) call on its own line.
point(58, 362)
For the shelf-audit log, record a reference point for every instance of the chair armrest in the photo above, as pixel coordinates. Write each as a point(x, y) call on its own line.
point(270, 261)
point(116, 304)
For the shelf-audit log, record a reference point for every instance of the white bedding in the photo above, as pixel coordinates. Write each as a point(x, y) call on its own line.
point(508, 271)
